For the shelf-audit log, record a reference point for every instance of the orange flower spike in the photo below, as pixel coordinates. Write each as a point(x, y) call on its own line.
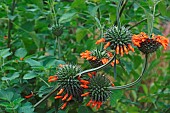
point(125, 49)
point(93, 73)
point(90, 57)
point(52, 78)
point(64, 105)
point(94, 58)
point(70, 98)
point(84, 86)
point(112, 63)
point(30, 95)
point(57, 97)
point(112, 85)
point(121, 51)
point(65, 97)
point(117, 50)
point(60, 92)
point(109, 54)
point(90, 75)
point(85, 94)
point(94, 104)
point(117, 61)
point(107, 45)
point(88, 104)
point(100, 41)
point(84, 82)
point(99, 104)
point(130, 47)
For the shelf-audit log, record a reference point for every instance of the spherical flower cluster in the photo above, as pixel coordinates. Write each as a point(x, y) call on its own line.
point(118, 40)
point(98, 57)
point(69, 84)
point(149, 45)
point(97, 90)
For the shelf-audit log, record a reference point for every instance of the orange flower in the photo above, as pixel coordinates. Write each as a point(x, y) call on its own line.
point(100, 41)
point(162, 40)
point(30, 95)
point(52, 78)
point(143, 40)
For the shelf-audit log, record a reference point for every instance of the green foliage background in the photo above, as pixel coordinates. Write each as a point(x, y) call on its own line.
point(30, 53)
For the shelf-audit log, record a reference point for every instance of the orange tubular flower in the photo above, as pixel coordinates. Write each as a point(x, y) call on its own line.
point(149, 45)
point(52, 78)
point(30, 95)
point(100, 41)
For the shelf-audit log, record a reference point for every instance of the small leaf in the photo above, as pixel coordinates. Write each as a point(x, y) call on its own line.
point(29, 75)
point(14, 76)
point(33, 62)
point(21, 52)
point(5, 53)
point(6, 95)
point(67, 17)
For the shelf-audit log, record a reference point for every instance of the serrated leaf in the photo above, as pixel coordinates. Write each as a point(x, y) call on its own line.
point(21, 52)
point(29, 75)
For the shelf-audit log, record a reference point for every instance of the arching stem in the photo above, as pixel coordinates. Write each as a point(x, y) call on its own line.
point(135, 82)
point(97, 68)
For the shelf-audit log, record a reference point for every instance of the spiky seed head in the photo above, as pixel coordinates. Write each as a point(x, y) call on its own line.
point(118, 37)
point(68, 80)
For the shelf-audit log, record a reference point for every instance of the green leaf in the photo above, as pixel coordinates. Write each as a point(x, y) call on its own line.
point(29, 75)
point(32, 62)
point(6, 95)
point(44, 90)
point(21, 52)
point(84, 109)
point(14, 76)
point(162, 8)
point(76, 4)
point(116, 95)
point(67, 17)
point(80, 34)
point(26, 108)
point(5, 53)
point(35, 39)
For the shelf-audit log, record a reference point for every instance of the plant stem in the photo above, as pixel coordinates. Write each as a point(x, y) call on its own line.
point(44, 81)
point(46, 97)
point(95, 69)
point(143, 20)
point(135, 82)
point(10, 25)
point(121, 11)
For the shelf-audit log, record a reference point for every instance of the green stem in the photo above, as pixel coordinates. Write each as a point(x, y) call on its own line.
point(135, 82)
point(118, 14)
point(143, 20)
point(59, 47)
point(10, 26)
point(95, 69)
point(46, 97)
point(121, 11)
point(44, 81)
